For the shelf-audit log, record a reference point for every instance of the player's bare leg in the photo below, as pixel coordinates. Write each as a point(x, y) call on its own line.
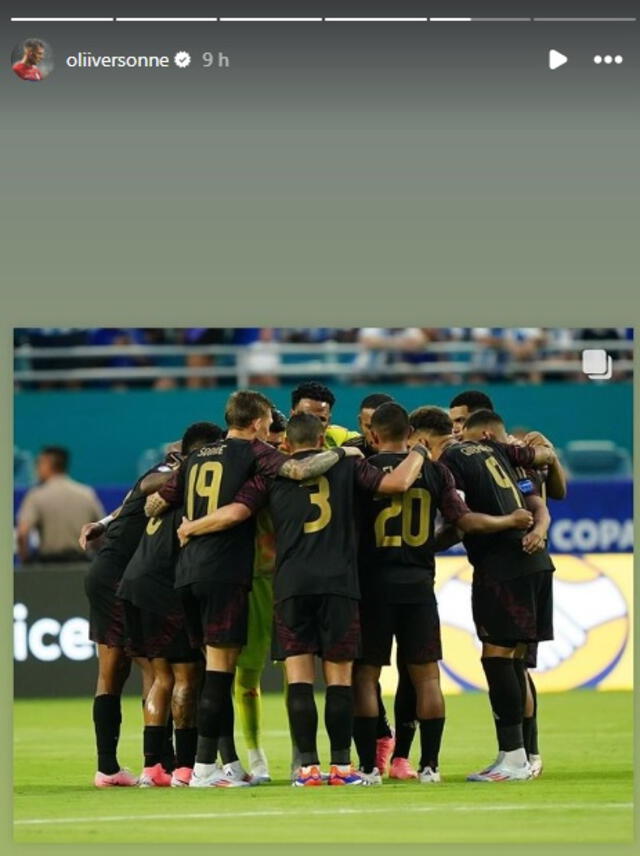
point(430, 711)
point(184, 702)
point(146, 671)
point(507, 703)
point(114, 667)
point(365, 686)
point(156, 712)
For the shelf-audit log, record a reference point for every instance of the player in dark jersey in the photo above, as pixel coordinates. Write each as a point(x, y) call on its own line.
point(155, 629)
point(397, 568)
point(405, 699)
point(552, 483)
point(106, 615)
point(215, 572)
point(511, 590)
point(316, 587)
point(548, 481)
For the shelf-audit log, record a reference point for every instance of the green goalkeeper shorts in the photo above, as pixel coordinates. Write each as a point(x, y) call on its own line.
point(255, 652)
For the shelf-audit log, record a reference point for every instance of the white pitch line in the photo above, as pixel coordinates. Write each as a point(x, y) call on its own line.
point(332, 812)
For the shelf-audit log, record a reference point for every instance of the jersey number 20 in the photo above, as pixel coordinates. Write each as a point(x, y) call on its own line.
point(415, 499)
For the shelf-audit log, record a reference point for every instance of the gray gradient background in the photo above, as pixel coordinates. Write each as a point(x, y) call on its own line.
point(352, 174)
point(339, 161)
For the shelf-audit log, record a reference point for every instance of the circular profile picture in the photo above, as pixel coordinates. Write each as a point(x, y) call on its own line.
point(32, 60)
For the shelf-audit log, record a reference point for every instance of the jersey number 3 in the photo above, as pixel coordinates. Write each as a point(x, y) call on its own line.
point(319, 497)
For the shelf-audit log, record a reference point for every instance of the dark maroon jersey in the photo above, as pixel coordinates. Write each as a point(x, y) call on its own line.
point(485, 473)
point(149, 579)
point(124, 532)
point(396, 556)
point(316, 542)
point(208, 479)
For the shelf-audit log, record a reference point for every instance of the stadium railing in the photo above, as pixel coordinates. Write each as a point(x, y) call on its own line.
point(287, 360)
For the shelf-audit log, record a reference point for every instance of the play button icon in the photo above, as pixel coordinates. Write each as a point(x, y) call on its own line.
point(556, 59)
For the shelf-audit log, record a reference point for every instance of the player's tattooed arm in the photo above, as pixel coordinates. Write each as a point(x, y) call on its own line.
point(536, 538)
point(223, 518)
point(556, 481)
point(300, 469)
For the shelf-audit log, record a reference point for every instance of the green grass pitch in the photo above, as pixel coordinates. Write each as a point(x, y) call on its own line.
point(584, 795)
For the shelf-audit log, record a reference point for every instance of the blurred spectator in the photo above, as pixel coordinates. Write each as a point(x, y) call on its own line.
point(505, 353)
point(56, 509)
point(261, 356)
point(203, 336)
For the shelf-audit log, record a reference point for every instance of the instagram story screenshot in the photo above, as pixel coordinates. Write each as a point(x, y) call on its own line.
point(314, 545)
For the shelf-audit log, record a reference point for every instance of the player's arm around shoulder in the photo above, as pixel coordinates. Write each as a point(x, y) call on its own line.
point(301, 469)
point(536, 539)
point(403, 476)
point(556, 479)
point(251, 497)
point(457, 513)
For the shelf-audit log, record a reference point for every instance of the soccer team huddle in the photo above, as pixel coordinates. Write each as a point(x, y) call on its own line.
point(294, 539)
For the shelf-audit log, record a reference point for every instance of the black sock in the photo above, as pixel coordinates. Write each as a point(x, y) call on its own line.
point(338, 720)
point(186, 741)
point(430, 740)
point(364, 735)
point(303, 720)
point(168, 751)
point(384, 726)
point(530, 723)
point(404, 710)
point(213, 714)
point(505, 695)
point(227, 747)
point(153, 741)
point(107, 717)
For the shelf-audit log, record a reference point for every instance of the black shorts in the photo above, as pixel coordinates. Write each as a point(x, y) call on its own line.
point(416, 627)
point(324, 624)
point(217, 614)
point(506, 612)
point(149, 634)
point(106, 611)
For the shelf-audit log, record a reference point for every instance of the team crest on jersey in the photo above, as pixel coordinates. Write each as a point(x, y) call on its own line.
point(591, 627)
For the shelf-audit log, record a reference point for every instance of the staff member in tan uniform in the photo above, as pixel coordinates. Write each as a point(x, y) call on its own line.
point(57, 508)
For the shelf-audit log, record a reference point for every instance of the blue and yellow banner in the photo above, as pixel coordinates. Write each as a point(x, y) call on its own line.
point(593, 626)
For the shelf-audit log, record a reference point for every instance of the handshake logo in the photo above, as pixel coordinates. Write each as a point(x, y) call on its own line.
point(591, 629)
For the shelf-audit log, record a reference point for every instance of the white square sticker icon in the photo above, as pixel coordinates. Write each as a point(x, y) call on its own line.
point(596, 363)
